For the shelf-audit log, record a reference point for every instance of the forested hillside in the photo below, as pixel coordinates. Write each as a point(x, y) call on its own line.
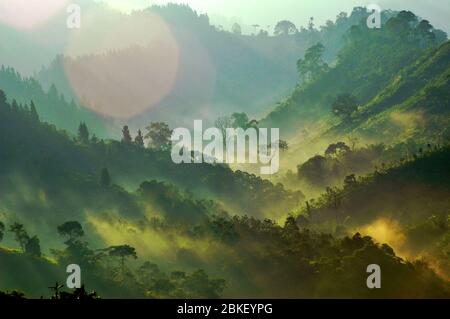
point(87, 178)
point(371, 61)
point(43, 191)
point(51, 105)
point(68, 161)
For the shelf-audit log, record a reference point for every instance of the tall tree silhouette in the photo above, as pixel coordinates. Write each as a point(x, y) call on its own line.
point(2, 98)
point(21, 235)
point(83, 133)
point(285, 28)
point(71, 229)
point(30, 245)
point(139, 139)
point(33, 112)
point(126, 136)
point(122, 252)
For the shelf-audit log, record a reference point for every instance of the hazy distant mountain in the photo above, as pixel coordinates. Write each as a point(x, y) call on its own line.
point(181, 69)
point(165, 63)
point(187, 69)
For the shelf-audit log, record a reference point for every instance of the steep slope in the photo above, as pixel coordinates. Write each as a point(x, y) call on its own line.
point(415, 105)
point(370, 61)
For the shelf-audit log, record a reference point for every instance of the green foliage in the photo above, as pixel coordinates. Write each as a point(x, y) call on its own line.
point(235, 120)
point(198, 285)
point(177, 206)
point(370, 61)
point(428, 231)
point(72, 168)
point(71, 229)
point(49, 105)
point(338, 162)
point(285, 28)
point(283, 145)
point(146, 281)
point(312, 66)
point(419, 92)
point(399, 68)
point(29, 245)
point(76, 249)
point(427, 176)
point(337, 149)
point(345, 105)
point(178, 284)
point(306, 263)
point(159, 135)
point(122, 252)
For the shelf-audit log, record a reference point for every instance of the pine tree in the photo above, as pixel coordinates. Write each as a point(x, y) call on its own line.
point(33, 112)
point(2, 98)
point(83, 133)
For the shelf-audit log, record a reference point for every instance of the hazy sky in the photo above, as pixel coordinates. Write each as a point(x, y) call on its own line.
point(268, 12)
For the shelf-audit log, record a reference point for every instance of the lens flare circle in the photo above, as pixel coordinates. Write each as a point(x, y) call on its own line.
point(131, 65)
point(27, 14)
